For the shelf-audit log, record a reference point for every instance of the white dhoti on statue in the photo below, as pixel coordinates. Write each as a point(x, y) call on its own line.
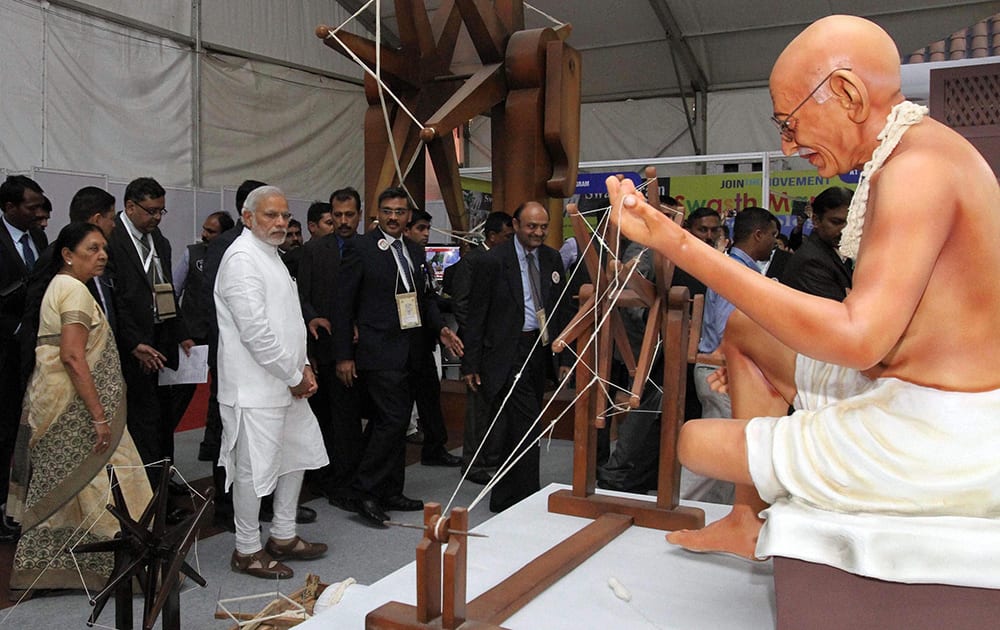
point(882, 478)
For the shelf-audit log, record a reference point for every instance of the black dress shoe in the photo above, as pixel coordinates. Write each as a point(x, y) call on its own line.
point(442, 458)
point(177, 515)
point(305, 515)
point(302, 515)
point(344, 503)
point(371, 511)
point(482, 477)
point(10, 531)
point(175, 489)
point(403, 504)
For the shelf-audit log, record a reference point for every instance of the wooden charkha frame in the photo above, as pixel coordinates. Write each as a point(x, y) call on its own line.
point(441, 582)
point(528, 82)
point(670, 318)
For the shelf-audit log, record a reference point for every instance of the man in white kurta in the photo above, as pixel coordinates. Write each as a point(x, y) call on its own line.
point(269, 436)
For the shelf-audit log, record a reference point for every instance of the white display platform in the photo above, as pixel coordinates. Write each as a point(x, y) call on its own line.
point(670, 587)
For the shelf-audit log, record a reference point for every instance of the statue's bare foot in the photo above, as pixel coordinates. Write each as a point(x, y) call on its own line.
point(736, 534)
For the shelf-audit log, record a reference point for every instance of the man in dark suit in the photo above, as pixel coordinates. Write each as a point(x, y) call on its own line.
point(817, 267)
point(378, 294)
point(478, 411)
point(20, 245)
point(337, 407)
point(778, 261)
point(634, 463)
point(427, 392)
point(512, 319)
point(150, 327)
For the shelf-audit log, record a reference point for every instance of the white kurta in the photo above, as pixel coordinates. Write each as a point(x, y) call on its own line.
point(262, 351)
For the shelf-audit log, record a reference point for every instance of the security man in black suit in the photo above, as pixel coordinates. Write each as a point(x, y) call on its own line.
point(512, 320)
point(337, 407)
point(20, 246)
point(434, 451)
point(816, 267)
point(150, 326)
point(377, 293)
point(479, 412)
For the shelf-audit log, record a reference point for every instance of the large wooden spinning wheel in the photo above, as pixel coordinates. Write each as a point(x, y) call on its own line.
point(527, 81)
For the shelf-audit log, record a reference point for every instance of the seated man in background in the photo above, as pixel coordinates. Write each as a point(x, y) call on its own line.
point(896, 387)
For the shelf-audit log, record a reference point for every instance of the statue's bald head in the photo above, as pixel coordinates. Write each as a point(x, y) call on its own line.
point(841, 41)
point(854, 67)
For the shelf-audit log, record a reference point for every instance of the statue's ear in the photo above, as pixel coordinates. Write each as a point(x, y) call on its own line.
point(852, 93)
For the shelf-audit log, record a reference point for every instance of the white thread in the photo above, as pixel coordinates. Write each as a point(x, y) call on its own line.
point(70, 546)
point(514, 456)
point(540, 12)
point(508, 464)
point(369, 72)
point(356, 14)
point(901, 118)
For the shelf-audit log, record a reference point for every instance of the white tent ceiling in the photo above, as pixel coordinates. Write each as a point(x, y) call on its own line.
point(630, 47)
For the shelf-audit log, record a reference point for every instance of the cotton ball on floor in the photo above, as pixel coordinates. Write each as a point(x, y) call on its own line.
point(619, 589)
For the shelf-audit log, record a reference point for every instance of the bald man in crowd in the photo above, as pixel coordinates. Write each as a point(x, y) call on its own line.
point(896, 388)
point(512, 319)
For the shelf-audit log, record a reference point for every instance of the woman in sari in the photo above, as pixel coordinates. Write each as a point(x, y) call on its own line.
point(75, 416)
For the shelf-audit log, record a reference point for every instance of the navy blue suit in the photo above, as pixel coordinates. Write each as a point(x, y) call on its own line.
point(13, 295)
point(386, 356)
point(496, 348)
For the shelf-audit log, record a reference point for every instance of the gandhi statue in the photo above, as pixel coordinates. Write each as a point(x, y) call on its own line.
point(897, 389)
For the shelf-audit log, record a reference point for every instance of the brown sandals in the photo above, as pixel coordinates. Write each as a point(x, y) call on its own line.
point(295, 549)
point(260, 565)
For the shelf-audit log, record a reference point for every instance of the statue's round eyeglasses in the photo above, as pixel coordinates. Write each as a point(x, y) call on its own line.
point(786, 125)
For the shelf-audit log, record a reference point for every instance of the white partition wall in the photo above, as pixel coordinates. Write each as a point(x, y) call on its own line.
point(194, 98)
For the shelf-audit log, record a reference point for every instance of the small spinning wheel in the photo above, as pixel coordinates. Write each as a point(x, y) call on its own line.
point(152, 552)
point(669, 318)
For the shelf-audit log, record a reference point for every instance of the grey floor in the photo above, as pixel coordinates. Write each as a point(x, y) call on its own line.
point(356, 550)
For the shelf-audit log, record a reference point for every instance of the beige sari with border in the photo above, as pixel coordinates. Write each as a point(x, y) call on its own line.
point(60, 490)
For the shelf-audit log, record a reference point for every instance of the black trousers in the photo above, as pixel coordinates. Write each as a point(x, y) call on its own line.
point(338, 410)
point(151, 420)
point(11, 396)
point(479, 413)
point(516, 418)
point(382, 469)
point(427, 392)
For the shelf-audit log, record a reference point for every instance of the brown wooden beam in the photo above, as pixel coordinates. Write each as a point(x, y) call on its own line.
point(509, 596)
point(643, 512)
